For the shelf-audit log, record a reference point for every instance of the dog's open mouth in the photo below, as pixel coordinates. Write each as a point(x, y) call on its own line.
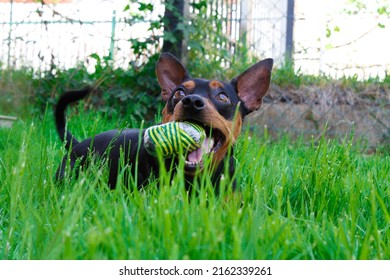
point(214, 140)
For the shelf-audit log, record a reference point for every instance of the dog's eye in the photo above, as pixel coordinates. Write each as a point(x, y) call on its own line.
point(222, 97)
point(179, 94)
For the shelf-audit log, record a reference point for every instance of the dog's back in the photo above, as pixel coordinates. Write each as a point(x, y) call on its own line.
point(111, 145)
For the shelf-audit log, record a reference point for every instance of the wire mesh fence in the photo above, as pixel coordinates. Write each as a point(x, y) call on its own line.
point(65, 34)
point(339, 39)
point(319, 37)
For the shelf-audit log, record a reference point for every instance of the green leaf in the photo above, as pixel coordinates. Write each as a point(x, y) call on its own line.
point(168, 36)
point(328, 32)
point(200, 5)
point(328, 46)
point(95, 56)
point(145, 7)
point(382, 10)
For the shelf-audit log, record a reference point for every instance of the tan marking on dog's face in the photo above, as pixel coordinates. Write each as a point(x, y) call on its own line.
point(190, 85)
point(166, 117)
point(232, 130)
point(215, 84)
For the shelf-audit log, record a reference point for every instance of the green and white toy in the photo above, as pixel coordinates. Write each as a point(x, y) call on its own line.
point(174, 137)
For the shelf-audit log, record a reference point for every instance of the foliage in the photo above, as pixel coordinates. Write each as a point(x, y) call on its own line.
point(24, 91)
point(207, 53)
point(117, 90)
point(15, 90)
point(379, 9)
point(322, 200)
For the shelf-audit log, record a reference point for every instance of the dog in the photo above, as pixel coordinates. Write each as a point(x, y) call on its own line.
point(220, 107)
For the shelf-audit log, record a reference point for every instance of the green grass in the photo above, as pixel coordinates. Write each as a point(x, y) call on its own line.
point(297, 200)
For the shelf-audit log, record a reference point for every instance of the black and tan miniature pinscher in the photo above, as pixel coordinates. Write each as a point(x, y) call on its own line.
point(218, 106)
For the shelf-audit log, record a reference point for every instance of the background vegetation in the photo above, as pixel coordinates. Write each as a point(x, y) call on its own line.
point(25, 91)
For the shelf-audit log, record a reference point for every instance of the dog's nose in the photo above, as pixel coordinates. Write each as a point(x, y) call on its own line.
point(194, 102)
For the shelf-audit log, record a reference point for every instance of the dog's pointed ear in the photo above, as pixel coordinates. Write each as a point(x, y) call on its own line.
point(253, 84)
point(170, 73)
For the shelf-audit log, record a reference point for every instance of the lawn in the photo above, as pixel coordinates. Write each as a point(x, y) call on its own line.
point(296, 200)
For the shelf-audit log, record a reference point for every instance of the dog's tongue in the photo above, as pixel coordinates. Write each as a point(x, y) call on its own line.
point(206, 147)
point(195, 156)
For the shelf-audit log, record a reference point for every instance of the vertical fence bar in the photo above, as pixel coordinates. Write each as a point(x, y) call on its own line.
point(289, 31)
point(246, 22)
point(112, 41)
point(184, 45)
point(10, 33)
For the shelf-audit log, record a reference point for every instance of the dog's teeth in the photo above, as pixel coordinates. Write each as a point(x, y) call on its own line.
point(192, 163)
point(207, 145)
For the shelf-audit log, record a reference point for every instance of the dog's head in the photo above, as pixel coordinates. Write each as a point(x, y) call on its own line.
point(219, 107)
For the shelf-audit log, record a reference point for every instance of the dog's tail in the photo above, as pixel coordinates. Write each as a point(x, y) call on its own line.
point(60, 118)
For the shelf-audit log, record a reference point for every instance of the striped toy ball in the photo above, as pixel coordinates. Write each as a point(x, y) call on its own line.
point(171, 138)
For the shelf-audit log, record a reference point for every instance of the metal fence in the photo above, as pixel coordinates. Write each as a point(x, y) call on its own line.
point(318, 36)
point(66, 33)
